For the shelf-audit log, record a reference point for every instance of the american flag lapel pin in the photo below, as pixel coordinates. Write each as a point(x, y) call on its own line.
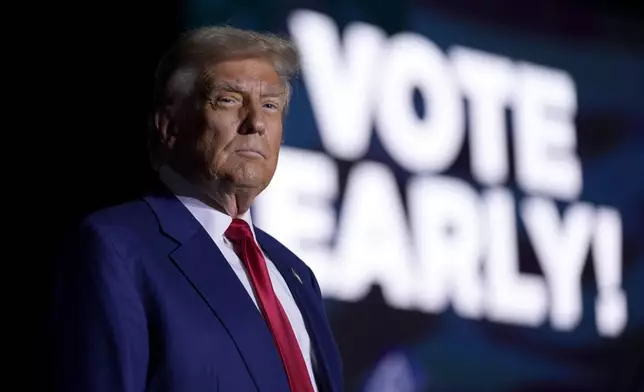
point(296, 275)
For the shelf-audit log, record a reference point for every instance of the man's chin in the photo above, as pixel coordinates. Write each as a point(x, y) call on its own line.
point(236, 182)
point(248, 185)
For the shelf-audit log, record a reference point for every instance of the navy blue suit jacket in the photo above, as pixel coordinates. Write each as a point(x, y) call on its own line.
point(145, 301)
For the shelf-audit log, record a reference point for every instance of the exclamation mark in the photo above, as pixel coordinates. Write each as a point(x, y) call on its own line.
point(610, 306)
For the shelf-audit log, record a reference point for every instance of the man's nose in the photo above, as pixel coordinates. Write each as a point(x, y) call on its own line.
point(253, 121)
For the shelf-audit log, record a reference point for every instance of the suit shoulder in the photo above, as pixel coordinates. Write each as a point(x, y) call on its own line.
point(123, 226)
point(127, 214)
point(118, 232)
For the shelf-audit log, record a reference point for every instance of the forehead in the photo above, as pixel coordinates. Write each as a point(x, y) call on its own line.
point(245, 74)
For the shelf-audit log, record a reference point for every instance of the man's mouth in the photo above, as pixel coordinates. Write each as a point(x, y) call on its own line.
point(249, 152)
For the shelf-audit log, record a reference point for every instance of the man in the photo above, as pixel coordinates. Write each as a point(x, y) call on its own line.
point(178, 291)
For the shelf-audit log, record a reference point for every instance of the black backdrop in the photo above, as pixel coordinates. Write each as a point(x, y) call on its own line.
point(79, 144)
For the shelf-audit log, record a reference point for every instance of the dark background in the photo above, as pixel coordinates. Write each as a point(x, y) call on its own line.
point(86, 115)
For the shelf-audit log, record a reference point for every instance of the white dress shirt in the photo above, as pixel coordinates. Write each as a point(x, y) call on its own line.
point(215, 223)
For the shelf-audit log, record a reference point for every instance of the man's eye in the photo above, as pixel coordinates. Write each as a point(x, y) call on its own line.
point(225, 100)
point(271, 106)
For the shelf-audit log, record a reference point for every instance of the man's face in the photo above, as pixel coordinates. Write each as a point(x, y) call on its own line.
point(235, 135)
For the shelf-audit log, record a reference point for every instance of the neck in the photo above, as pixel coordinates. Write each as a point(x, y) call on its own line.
point(220, 194)
point(232, 201)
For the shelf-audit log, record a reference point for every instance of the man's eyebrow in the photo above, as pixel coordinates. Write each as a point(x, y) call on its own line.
point(274, 91)
point(267, 91)
point(228, 86)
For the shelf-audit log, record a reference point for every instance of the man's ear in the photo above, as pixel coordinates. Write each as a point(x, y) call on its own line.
point(166, 125)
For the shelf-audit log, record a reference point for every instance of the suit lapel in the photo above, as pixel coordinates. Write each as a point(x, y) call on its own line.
point(316, 323)
point(200, 260)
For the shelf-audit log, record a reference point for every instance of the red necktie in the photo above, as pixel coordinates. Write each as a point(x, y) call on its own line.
point(248, 251)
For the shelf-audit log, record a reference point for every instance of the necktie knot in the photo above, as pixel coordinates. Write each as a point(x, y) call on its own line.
point(238, 231)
